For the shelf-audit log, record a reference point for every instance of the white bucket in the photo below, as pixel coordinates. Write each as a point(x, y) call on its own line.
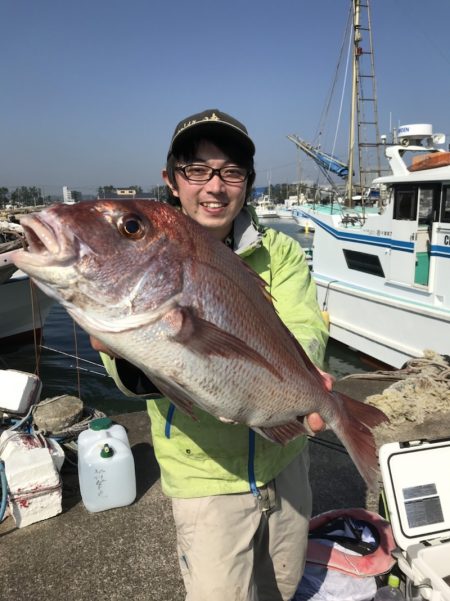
point(105, 466)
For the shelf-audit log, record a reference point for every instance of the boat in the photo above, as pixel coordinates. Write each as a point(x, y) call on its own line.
point(385, 279)
point(23, 306)
point(265, 208)
point(284, 212)
point(23, 309)
point(303, 214)
point(383, 271)
point(302, 218)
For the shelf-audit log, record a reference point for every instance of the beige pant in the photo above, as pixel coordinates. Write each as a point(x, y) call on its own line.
point(238, 548)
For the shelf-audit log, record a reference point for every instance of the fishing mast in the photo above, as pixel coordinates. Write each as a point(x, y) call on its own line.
point(363, 112)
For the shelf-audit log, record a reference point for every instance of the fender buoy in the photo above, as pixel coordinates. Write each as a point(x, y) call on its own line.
point(326, 318)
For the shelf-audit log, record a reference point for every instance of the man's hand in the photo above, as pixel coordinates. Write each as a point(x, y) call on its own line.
point(315, 423)
point(100, 347)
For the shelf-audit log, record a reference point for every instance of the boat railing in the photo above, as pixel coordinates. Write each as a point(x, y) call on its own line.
point(353, 219)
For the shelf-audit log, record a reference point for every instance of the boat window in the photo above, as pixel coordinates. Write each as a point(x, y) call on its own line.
point(445, 216)
point(405, 203)
point(364, 262)
point(426, 205)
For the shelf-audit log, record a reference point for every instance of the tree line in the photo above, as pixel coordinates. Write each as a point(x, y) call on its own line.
point(31, 196)
point(23, 196)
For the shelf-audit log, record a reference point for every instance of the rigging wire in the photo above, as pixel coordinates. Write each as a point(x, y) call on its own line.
point(77, 366)
point(75, 340)
point(327, 105)
point(54, 350)
point(36, 315)
point(350, 41)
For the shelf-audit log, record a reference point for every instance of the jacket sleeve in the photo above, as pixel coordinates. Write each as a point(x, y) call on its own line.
point(129, 379)
point(295, 296)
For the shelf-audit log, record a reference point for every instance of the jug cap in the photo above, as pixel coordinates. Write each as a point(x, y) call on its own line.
point(107, 451)
point(101, 423)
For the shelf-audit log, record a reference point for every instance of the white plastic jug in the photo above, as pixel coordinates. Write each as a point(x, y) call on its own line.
point(105, 466)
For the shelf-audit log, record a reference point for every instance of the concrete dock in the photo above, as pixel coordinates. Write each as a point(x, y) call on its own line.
point(129, 553)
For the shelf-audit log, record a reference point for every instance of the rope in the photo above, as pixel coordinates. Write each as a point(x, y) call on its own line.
point(431, 362)
point(420, 389)
point(423, 386)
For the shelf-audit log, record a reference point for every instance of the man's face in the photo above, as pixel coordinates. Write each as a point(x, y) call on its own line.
point(213, 204)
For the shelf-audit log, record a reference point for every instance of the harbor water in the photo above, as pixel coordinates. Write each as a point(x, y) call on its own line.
point(67, 364)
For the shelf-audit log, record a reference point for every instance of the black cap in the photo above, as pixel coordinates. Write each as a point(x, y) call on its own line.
point(211, 121)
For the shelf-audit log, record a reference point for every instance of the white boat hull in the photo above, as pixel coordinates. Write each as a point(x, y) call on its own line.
point(23, 308)
point(284, 213)
point(385, 327)
point(266, 214)
point(265, 209)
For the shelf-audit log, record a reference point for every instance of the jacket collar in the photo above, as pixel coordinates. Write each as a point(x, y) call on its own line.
point(247, 232)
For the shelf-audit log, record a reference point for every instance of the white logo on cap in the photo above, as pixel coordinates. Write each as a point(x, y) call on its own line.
point(213, 117)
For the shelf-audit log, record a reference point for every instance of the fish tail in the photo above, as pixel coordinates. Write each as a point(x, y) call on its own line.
point(353, 429)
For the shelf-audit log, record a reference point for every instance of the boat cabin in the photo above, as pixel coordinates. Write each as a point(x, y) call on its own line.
point(420, 211)
point(418, 206)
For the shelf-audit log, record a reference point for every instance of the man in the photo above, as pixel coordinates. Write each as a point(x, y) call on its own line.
point(241, 503)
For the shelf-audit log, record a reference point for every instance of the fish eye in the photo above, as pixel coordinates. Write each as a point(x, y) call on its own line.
point(131, 226)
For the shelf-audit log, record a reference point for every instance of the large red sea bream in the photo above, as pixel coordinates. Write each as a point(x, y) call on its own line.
point(158, 290)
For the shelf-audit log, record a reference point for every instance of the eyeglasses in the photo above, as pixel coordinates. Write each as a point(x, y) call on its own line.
point(203, 173)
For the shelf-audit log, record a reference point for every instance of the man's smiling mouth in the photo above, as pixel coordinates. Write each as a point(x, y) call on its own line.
point(213, 205)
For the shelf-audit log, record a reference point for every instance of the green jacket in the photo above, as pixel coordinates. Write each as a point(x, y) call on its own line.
point(207, 457)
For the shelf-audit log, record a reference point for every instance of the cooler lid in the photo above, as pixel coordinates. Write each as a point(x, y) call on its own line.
point(416, 478)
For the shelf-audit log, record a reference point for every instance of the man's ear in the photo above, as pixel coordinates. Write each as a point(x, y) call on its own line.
point(168, 183)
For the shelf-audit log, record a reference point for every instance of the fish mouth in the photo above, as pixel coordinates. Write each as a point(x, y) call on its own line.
point(46, 243)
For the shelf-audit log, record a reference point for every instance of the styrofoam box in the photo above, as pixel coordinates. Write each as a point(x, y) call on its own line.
point(18, 390)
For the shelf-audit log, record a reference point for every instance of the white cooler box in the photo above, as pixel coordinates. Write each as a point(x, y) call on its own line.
point(416, 478)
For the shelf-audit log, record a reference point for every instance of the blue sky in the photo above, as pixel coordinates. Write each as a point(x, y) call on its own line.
point(92, 89)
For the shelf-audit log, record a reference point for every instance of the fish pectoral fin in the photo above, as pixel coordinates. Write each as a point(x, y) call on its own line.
point(284, 433)
point(205, 338)
point(176, 393)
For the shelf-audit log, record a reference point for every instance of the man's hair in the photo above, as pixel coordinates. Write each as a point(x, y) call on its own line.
point(187, 152)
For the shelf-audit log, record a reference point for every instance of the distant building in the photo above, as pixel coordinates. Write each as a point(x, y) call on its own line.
point(67, 196)
point(116, 193)
point(126, 192)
